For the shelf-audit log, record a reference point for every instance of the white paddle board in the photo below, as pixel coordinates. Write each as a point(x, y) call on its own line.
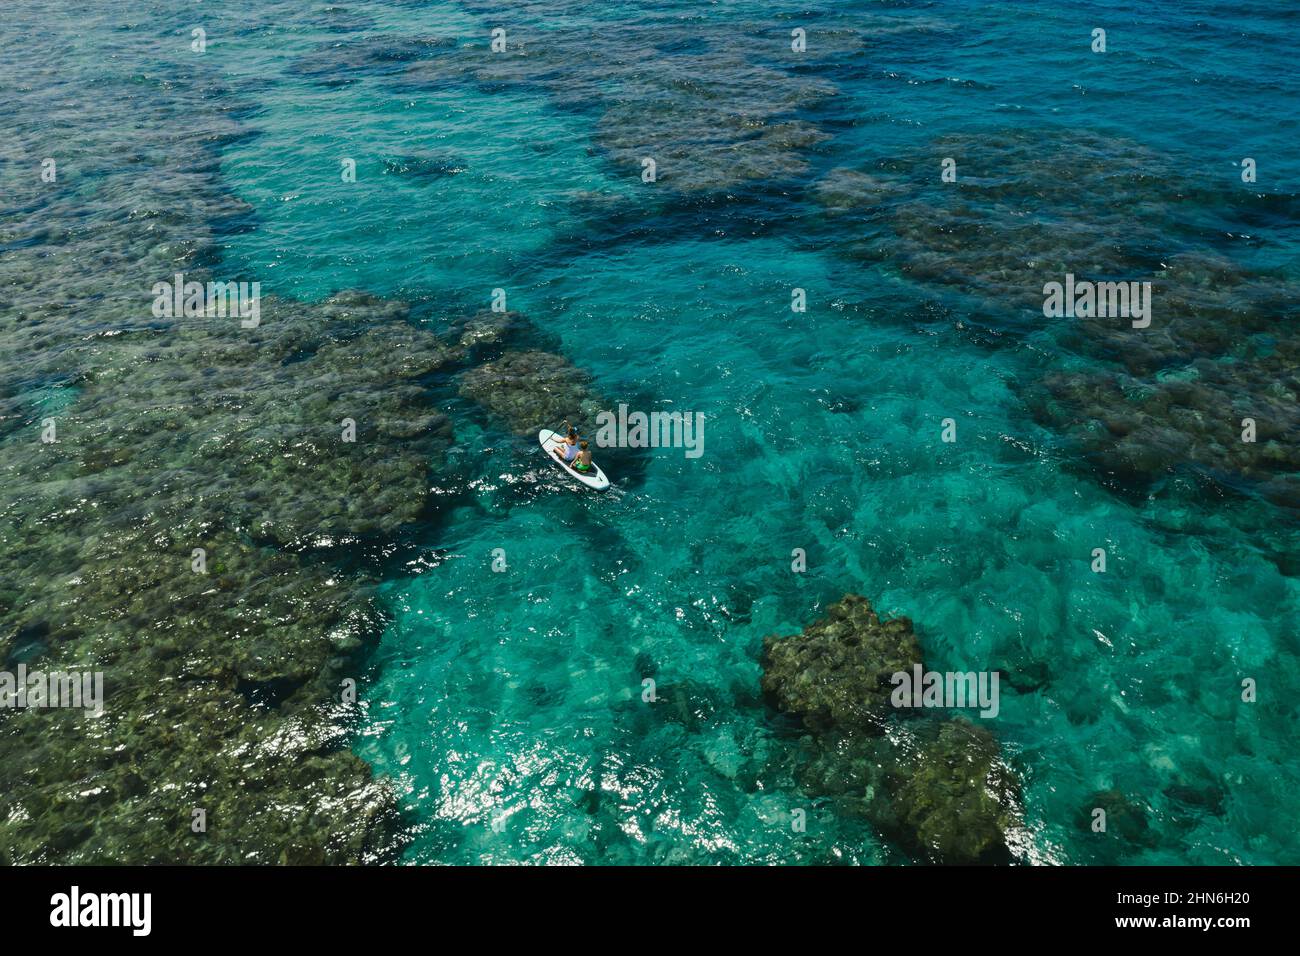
point(550, 441)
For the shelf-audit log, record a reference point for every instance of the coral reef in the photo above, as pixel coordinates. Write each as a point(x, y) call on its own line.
point(181, 533)
point(347, 61)
point(835, 675)
point(524, 388)
point(217, 680)
point(1027, 209)
point(715, 112)
point(486, 329)
point(939, 787)
point(955, 793)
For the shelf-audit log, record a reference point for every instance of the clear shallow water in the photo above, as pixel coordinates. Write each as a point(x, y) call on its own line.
point(515, 696)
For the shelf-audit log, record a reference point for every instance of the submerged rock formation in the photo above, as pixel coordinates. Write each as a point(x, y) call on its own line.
point(955, 794)
point(1125, 818)
point(1028, 208)
point(177, 490)
point(835, 675)
point(486, 329)
point(348, 61)
point(715, 110)
point(938, 787)
point(524, 388)
point(224, 446)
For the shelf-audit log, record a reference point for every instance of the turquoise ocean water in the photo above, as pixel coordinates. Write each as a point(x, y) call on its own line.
point(514, 697)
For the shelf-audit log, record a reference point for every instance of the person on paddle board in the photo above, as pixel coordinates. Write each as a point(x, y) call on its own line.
point(568, 448)
point(583, 464)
